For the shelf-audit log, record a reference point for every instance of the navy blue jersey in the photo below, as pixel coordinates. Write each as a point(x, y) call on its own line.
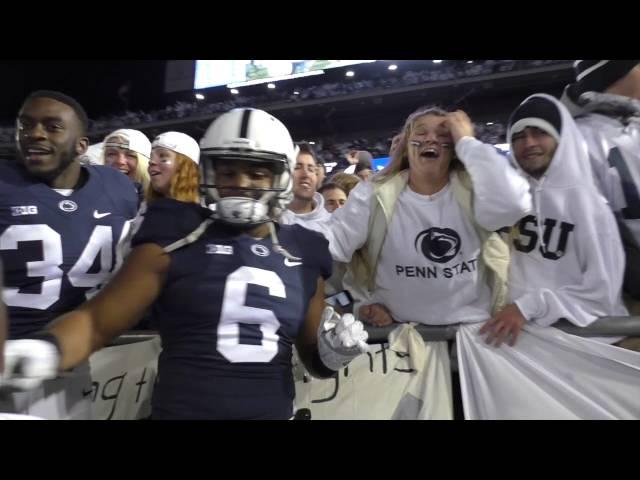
point(56, 249)
point(228, 314)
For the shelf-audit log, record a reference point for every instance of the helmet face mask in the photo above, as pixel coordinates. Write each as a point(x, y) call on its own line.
point(254, 136)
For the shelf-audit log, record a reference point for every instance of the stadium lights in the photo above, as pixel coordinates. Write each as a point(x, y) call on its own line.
point(199, 96)
point(393, 67)
point(234, 91)
point(350, 73)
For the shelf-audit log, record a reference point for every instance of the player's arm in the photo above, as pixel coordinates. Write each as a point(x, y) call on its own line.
point(500, 194)
point(72, 338)
point(115, 309)
point(328, 341)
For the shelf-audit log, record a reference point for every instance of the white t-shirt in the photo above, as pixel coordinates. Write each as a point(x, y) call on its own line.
point(64, 191)
point(428, 267)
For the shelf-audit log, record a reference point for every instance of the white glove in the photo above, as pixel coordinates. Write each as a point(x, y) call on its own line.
point(344, 331)
point(28, 363)
point(340, 339)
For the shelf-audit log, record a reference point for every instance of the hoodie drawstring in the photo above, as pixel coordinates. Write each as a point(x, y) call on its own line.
point(539, 219)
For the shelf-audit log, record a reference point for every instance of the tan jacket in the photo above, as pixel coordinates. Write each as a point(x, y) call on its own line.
point(361, 271)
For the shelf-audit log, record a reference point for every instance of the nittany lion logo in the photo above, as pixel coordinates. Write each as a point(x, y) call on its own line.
point(68, 205)
point(438, 244)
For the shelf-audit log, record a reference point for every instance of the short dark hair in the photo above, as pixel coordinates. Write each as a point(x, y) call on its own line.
point(331, 186)
point(67, 100)
point(308, 149)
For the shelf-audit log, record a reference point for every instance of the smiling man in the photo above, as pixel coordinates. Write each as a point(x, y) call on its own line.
point(567, 259)
point(60, 226)
point(307, 208)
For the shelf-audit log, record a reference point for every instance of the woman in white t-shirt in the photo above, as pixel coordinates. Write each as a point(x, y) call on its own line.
point(418, 237)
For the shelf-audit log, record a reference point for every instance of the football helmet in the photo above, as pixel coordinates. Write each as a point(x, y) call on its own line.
point(251, 135)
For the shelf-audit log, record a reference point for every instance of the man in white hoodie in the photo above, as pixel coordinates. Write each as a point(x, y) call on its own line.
point(605, 99)
point(307, 208)
point(567, 257)
point(4, 324)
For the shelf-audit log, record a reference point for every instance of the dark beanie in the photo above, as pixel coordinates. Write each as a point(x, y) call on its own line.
point(536, 112)
point(598, 75)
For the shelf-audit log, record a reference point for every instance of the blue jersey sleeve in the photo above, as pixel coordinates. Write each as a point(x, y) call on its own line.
point(118, 187)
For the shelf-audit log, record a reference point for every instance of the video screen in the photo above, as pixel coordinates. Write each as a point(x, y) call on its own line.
point(238, 73)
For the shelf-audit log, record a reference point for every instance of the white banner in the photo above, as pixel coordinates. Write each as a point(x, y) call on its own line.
point(116, 384)
point(13, 416)
point(122, 380)
point(549, 374)
point(404, 379)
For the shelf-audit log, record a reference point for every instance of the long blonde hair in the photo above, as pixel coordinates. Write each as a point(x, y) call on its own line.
point(400, 158)
point(141, 174)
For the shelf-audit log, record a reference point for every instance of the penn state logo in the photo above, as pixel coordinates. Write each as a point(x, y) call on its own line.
point(68, 206)
point(438, 244)
point(260, 250)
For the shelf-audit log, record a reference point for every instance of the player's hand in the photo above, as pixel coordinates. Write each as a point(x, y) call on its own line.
point(375, 314)
point(28, 363)
point(344, 331)
point(506, 324)
point(459, 125)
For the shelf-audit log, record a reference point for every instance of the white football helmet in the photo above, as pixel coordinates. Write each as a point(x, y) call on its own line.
point(253, 135)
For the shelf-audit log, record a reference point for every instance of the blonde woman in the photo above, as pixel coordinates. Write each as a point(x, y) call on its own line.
point(416, 234)
point(128, 151)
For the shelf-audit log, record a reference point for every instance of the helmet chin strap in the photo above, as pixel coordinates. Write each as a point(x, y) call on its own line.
point(272, 230)
point(236, 210)
point(241, 211)
point(279, 248)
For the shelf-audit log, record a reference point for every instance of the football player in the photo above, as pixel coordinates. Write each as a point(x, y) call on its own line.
point(60, 224)
point(231, 290)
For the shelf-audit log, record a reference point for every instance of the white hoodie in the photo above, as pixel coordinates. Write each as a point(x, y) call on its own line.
point(579, 276)
point(612, 131)
point(312, 220)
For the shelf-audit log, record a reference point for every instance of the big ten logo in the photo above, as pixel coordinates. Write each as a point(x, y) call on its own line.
point(24, 210)
point(382, 362)
point(110, 390)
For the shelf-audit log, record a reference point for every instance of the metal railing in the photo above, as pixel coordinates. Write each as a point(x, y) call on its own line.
point(133, 337)
point(604, 327)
